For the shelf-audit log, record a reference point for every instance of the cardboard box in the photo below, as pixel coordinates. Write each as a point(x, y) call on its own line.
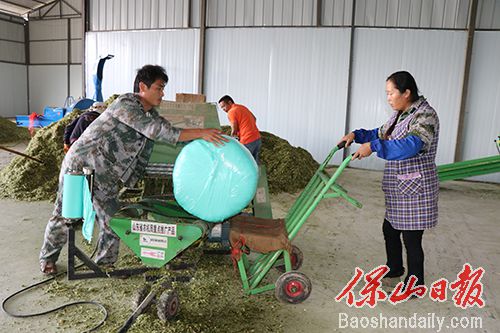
point(190, 98)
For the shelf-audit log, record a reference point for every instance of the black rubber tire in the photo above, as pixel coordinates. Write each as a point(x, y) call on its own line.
point(297, 258)
point(292, 287)
point(139, 296)
point(168, 305)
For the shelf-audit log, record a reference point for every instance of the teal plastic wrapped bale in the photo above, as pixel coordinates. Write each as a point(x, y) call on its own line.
point(214, 183)
point(72, 200)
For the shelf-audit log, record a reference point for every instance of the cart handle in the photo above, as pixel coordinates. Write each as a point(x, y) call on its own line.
point(341, 144)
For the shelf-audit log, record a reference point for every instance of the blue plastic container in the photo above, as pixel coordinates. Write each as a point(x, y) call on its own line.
point(53, 113)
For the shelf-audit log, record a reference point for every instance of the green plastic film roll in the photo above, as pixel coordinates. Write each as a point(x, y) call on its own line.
point(72, 203)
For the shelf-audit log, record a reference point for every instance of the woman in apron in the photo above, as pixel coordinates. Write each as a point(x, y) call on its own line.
point(408, 141)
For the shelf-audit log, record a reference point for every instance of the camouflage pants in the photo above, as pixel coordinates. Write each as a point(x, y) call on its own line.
point(105, 194)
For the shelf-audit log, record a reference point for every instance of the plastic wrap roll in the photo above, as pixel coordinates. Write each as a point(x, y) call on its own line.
point(72, 199)
point(88, 212)
point(214, 183)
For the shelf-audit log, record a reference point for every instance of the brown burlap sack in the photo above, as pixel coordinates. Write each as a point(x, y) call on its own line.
point(258, 234)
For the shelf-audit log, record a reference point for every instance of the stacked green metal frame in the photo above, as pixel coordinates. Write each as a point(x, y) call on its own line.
point(460, 170)
point(321, 186)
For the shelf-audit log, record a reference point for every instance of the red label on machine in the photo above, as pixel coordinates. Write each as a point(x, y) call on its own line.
point(153, 254)
point(163, 229)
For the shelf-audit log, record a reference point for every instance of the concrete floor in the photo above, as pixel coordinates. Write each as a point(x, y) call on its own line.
point(336, 239)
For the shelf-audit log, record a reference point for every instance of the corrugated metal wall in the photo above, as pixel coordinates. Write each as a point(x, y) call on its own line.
point(12, 42)
point(482, 116)
point(56, 57)
point(107, 15)
point(13, 91)
point(56, 52)
point(446, 14)
point(294, 80)
point(488, 16)
point(113, 15)
point(176, 50)
point(233, 13)
point(435, 58)
point(13, 82)
point(47, 86)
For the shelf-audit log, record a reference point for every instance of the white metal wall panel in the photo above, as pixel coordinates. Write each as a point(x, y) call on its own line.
point(76, 82)
point(112, 15)
point(12, 42)
point(195, 13)
point(450, 14)
point(488, 14)
point(436, 60)
point(336, 12)
point(12, 51)
point(76, 26)
point(48, 29)
point(482, 117)
point(76, 51)
point(293, 79)
point(13, 92)
point(48, 86)
point(11, 31)
point(251, 13)
point(176, 50)
point(49, 52)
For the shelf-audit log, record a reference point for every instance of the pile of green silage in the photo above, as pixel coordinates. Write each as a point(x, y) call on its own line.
point(213, 301)
point(26, 179)
point(9, 132)
point(289, 168)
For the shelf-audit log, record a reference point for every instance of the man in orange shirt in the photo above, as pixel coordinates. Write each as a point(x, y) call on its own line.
point(243, 125)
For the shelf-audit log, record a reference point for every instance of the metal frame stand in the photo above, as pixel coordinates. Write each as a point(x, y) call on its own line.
point(74, 251)
point(95, 270)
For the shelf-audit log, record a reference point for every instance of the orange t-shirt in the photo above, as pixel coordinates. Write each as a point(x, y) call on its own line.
point(248, 131)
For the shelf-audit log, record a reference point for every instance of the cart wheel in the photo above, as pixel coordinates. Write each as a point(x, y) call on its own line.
point(139, 296)
point(292, 287)
point(297, 257)
point(168, 305)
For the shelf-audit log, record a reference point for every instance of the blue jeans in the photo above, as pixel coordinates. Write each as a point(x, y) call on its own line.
point(254, 148)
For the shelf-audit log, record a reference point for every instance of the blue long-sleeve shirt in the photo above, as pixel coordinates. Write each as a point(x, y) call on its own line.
point(390, 149)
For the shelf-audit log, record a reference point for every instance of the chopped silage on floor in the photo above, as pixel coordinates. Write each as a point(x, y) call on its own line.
point(213, 301)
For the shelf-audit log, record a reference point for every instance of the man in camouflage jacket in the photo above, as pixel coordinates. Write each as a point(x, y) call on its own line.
point(117, 146)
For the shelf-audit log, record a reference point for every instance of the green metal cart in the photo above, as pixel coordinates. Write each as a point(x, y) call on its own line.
point(293, 286)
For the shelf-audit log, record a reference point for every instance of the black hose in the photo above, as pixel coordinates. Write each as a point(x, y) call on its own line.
point(27, 315)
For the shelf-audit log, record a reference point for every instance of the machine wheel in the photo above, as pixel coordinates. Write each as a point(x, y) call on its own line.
point(139, 296)
point(293, 287)
point(297, 257)
point(168, 305)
